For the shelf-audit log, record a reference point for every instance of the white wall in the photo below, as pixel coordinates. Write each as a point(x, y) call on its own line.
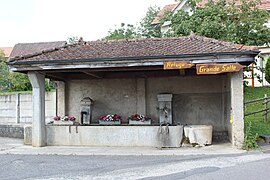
point(12, 111)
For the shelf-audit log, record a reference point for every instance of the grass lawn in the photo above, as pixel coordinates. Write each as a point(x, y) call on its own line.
point(257, 120)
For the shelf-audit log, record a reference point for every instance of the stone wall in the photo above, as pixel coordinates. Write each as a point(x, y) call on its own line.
point(196, 99)
point(12, 131)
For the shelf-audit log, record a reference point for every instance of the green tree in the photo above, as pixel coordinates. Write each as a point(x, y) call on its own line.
point(147, 29)
point(13, 81)
point(125, 31)
point(72, 39)
point(224, 20)
point(267, 70)
point(5, 81)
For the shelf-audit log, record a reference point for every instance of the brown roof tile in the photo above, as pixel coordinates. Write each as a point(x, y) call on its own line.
point(146, 47)
point(31, 48)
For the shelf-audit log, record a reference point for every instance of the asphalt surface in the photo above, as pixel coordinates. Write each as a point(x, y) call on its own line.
point(69, 163)
point(245, 166)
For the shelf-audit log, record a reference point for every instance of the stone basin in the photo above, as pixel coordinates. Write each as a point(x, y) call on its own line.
point(199, 134)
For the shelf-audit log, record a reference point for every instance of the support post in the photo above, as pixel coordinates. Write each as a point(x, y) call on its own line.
point(265, 107)
point(141, 96)
point(18, 108)
point(237, 109)
point(61, 98)
point(38, 123)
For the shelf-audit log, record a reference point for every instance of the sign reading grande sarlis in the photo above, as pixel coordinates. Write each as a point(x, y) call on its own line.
point(177, 65)
point(218, 68)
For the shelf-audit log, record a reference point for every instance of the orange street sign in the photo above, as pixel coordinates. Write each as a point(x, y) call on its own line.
point(218, 68)
point(177, 65)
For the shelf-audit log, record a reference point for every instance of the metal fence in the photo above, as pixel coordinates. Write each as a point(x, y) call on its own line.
point(265, 100)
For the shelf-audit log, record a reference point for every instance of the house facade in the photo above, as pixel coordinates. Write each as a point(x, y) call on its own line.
point(178, 82)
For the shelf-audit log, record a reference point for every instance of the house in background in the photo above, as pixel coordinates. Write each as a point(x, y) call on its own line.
point(265, 50)
point(7, 51)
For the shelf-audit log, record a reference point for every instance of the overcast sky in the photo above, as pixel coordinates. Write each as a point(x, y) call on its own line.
point(56, 20)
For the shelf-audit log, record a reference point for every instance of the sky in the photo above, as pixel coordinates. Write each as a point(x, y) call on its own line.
point(26, 21)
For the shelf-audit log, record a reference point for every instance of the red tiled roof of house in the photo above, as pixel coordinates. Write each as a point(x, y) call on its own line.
point(265, 4)
point(147, 47)
point(31, 48)
point(6, 50)
point(161, 13)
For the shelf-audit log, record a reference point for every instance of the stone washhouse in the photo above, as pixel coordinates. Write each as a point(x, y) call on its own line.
point(185, 84)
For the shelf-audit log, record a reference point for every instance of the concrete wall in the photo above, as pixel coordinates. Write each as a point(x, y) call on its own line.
point(111, 136)
point(196, 99)
point(18, 109)
point(12, 131)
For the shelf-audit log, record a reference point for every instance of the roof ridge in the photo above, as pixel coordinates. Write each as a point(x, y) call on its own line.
point(40, 52)
point(40, 42)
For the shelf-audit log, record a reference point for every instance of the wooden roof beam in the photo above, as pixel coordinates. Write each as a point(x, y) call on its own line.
point(91, 74)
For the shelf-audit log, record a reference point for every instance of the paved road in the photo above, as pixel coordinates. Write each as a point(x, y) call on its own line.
point(63, 167)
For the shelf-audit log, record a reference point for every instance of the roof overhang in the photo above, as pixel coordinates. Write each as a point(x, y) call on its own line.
point(143, 61)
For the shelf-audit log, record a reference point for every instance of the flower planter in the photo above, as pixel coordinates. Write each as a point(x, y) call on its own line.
point(109, 122)
point(63, 122)
point(140, 122)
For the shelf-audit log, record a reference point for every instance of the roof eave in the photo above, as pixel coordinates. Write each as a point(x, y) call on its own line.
point(21, 62)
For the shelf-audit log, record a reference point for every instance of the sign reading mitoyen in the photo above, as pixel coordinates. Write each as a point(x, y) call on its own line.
point(218, 68)
point(177, 65)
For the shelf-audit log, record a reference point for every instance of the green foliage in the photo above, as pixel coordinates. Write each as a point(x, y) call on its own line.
point(123, 32)
point(11, 81)
point(267, 70)
point(147, 29)
point(72, 39)
point(250, 138)
point(224, 20)
point(254, 124)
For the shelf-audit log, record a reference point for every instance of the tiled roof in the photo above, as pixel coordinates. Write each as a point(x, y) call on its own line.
point(147, 47)
point(6, 50)
point(265, 4)
point(162, 12)
point(31, 48)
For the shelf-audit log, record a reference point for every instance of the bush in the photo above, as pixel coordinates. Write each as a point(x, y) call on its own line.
point(250, 138)
point(267, 70)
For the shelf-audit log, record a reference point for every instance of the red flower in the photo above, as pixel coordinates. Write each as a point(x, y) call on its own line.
point(57, 118)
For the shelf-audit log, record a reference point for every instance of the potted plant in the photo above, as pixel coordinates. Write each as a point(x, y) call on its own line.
point(139, 119)
point(110, 119)
point(66, 120)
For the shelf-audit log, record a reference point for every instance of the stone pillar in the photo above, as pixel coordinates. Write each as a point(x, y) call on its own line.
point(18, 107)
point(61, 98)
point(237, 109)
point(38, 123)
point(141, 96)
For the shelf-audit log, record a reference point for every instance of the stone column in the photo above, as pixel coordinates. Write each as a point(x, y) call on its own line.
point(61, 98)
point(38, 123)
point(141, 96)
point(237, 109)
